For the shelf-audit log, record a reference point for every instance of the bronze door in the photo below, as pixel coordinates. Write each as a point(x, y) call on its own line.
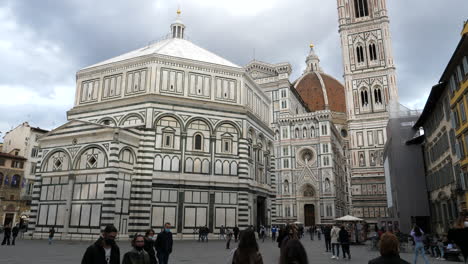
point(309, 215)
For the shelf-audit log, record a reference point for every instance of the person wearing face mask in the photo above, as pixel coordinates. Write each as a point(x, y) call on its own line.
point(459, 235)
point(149, 246)
point(137, 255)
point(104, 250)
point(163, 244)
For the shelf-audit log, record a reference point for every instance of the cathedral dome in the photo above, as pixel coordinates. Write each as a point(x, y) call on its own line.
point(320, 91)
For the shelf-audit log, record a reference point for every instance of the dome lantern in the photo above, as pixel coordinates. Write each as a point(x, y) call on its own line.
point(178, 27)
point(313, 61)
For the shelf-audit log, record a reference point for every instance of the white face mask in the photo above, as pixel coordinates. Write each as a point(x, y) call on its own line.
point(466, 223)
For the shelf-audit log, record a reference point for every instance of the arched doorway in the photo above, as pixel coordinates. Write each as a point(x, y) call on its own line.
point(309, 215)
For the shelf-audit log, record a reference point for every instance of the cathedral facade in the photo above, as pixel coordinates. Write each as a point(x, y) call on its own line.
point(174, 133)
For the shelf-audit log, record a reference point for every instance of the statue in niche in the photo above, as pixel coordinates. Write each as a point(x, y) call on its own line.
point(362, 162)
point(372, 159)
point(286, 186)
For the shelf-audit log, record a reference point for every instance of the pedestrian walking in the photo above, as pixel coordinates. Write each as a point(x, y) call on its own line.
point(418, 237)
point(311, 232)
point(327, 236)
point(137, 255)
point(459, 235)
point(319, 233)
point(14, 233)
point(344, 241)
point(236, 233)
point(247, 251)
point(274, 229)
point(6, 235)
point(229, 238)
point(293, 253)
point(222, 233)
point(164, 244)
point(149, 246)
point(263, 233)
point(290, 233)
point(334, 235)
point(389, 251)
point(51, 235)
point(104, 250)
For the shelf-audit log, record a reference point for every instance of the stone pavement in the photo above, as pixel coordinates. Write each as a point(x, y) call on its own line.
point(67, 252)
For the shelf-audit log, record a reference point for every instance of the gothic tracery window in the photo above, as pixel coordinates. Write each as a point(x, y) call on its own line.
point(378, 96)
point(198, 142)
point(360, 54)
point(364, 97)
point(361, 8)
point(372, 52)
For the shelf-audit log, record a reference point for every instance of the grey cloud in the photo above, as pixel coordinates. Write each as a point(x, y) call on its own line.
point(424, 33)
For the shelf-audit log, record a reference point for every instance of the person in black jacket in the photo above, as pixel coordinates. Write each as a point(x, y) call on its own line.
point(327, 235)
point(104, 250)
point(389, 251)
point(138, 255)
point(6, 235)
point(149, 246)
point(236, 233)
point(14, 233)
point(344, 241)
point(164, 244)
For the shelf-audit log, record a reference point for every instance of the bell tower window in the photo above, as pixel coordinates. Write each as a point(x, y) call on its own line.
point(361, 8)
point(372, 52)
point(360, 54)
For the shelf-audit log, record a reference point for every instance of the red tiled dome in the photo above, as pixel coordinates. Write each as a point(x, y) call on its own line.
point(321, 91)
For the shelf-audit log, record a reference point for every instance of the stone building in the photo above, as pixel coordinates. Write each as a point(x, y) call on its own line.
point(456, 75)
point(309, 121)
point(23, 139)
point(167, 133)
point(13, 209)
point(440, 153)
point(370, 85)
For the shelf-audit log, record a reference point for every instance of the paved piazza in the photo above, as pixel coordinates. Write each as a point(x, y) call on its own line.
point(65, 252)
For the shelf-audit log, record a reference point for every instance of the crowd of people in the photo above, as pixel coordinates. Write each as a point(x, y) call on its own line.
point(156, 249)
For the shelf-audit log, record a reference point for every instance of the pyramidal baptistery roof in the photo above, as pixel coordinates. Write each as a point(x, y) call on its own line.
point(175, 46)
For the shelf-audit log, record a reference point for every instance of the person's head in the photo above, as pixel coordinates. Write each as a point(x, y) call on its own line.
point(138, 242)
point(293, 253)
point(417, 231)
point(389, 245)
point(247, 240)
point(342, 227)
point(150, 233)
point(109, 234)
point(167, 227)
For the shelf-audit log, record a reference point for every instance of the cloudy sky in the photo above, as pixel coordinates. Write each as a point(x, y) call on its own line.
point(44, 43)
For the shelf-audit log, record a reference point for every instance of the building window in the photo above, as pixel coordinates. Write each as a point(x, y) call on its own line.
point(324, 130)
point(284, 104)
point(326, 161)
point(364, 97)
point(285, 151)
point(360, 54)
point(17, 164)
point(198, 142)
point(378, 96)
point(361, 8)
point(325, 148)
point(462, 111)
point(2, 162)
point(34, 152)
point(15, 181)
point(227, 143)
point(372, 52)
point(285, 163)
point(285, 132)
point(462, 148)
point(284, 93)
point(168, 140)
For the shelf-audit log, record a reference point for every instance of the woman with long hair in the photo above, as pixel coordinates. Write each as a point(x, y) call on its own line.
point(418, 236)
point(247, 251)
point(293, 253)
point(459, 235)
